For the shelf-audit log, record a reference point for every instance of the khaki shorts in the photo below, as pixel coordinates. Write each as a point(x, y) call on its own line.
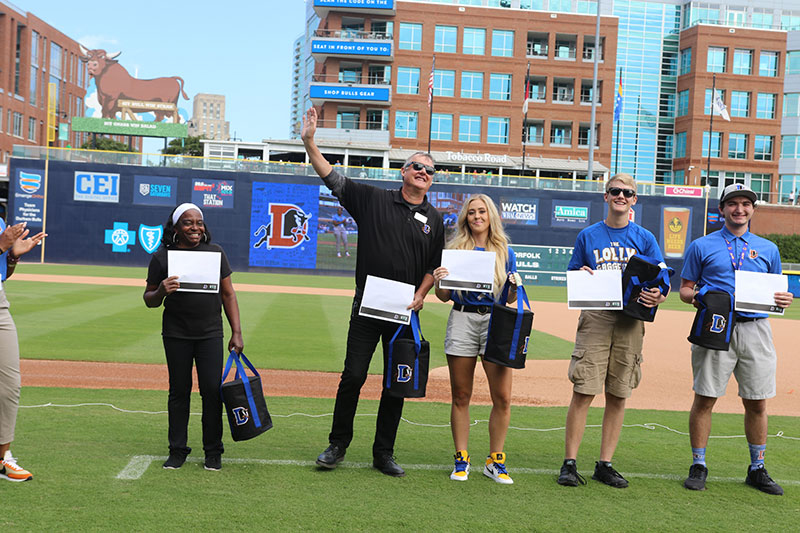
point(608, 351)
point(466, 333)
point(751, 358)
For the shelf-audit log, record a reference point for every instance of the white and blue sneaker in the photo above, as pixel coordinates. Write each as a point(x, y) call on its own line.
point(496, 468)
point(461, 470)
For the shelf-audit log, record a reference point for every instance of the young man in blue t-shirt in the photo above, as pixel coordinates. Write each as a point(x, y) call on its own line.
point(713, 260)
point(608, 344)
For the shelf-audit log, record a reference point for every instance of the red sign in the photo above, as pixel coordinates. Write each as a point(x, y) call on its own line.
point(678, 190)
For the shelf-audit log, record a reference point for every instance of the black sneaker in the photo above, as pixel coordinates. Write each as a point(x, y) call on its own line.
point(569, 476)
point(759, 479)
point(697, 477)
point(387, 465)
point(174, 461)
point(605, 473)
point(331, 457)
point(213, 463)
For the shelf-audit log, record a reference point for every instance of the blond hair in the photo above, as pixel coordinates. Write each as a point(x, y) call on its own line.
point(496, 241)
point(627, 179)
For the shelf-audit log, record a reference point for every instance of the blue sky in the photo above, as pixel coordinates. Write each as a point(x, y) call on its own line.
point(239, 48)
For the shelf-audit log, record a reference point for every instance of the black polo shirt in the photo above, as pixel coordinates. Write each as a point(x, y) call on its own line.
point(394, 242)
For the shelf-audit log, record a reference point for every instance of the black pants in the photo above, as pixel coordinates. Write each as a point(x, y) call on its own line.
point(362, 338)
point(207, 353)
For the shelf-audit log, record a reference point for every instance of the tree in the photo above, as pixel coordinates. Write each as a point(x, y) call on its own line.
point(188, 146)
point(107, 143)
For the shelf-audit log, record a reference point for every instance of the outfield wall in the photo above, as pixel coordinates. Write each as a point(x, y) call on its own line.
point(113, 214)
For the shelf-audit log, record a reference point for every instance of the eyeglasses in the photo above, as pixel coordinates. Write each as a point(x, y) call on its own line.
point(628, 193)
point(419, 166)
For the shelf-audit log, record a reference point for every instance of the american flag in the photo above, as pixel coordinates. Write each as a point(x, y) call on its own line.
point(430, 82)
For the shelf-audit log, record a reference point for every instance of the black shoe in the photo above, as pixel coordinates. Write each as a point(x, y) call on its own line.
point(213, 462)
point(387, 465)
point(174, 461)
point(697, 477)
point(759, 479)
point(569, 476)
point(331, 457)
point(605, 473)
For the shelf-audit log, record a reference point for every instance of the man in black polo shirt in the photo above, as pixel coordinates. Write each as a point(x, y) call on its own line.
point(400, 237)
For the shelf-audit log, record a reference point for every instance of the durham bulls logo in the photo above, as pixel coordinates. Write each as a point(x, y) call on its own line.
point(241, 414)
point(717, 323)
point(288, 227)
point(403, 373)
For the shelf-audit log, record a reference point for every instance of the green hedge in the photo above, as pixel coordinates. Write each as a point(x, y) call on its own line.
point(788, 245)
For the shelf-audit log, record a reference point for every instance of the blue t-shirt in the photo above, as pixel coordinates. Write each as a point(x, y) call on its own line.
point(483, 298)
point(4, 255)
point(601, 247)
point(339, 218)
point(708, 260)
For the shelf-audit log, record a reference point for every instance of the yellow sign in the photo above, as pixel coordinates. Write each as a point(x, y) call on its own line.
point(676, 224)
point(51, 112)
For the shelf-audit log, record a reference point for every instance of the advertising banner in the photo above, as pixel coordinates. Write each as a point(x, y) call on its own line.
point(96, 187)
point(360, 48)
point(519, 211)
point(155, 190)
point(283, 225)
point(332, 92)
point(212, 193)
point(129, 127)
point(542, 265)
point(29, 197)
point(570, 214)
point(675, 224)
point(371, 4)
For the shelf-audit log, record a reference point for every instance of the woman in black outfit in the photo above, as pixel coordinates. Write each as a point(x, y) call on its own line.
point(192, 330)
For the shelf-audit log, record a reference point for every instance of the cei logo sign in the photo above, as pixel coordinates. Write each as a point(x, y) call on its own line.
point(96, 187)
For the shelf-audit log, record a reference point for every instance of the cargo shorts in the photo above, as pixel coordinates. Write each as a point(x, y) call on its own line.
point(608, 351)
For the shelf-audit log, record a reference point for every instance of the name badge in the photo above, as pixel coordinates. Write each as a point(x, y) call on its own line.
point(422, 218)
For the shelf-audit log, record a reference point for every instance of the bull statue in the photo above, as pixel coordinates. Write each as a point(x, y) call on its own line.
point(113, 82)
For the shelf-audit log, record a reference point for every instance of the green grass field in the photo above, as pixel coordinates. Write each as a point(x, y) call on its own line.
point(270, 483)
point(98, 468)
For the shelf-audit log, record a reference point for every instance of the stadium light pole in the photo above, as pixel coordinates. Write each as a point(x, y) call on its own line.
point(590, 173)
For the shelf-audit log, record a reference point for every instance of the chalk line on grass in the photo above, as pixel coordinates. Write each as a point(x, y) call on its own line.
point(139, 464)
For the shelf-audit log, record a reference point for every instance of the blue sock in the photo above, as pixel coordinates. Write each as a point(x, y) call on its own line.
point(757, 455)
point(699, 456)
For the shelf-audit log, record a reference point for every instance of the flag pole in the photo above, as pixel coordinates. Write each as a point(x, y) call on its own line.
point(710, 128)
point(616, 162)
point(592, 121)
point(525, 116)
point(430, 102)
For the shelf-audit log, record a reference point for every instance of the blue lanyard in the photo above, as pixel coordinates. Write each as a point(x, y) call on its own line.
point(733, 257)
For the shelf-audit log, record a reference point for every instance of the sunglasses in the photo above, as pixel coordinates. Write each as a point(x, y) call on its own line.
point(628, 193)
point(419, 166)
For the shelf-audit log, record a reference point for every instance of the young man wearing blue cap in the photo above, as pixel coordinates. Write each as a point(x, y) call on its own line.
point(713, 260)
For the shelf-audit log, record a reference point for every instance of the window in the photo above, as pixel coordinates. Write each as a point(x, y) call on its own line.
point(686, 61)
point(763, 148)
point(683, 103)
point(407, 80)
point(765, 105)
point(716, 142)
point(740, 104)
point(471, 84)
point(737, 146)
point(791, 105)
point(565, 6)
point(469, 129)
point(793, 62)
point(534, 133)
point(563, 91)
point(442, 127)
point(743, 62)
point(32, 89)
point(444, 39)
point(474, 41)
point(378, 119)
point(717, 57)
point(17, 132)
point(345, 119)
point(790, 147)
point(583, 135)
point(760, 183)
point(561, 134)
point(497, 130)
point(587, 6)
point(347, 74)
point(55, 60)
point(761, 20)
point(444, 82)
point(503, 43)
point(32, 129)
point(500, 87)
point(680, 144)
point(410, 36)
point(707, 104)
point(586, 91)
point(768, 64)
point(405, 124)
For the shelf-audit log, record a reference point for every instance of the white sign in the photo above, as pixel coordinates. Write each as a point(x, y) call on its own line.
point(478, 158)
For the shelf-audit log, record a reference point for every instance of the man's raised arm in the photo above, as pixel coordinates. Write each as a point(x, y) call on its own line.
point(333, 180)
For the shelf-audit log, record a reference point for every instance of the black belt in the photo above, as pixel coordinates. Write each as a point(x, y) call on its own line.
point(741, 319)
point(480, 309)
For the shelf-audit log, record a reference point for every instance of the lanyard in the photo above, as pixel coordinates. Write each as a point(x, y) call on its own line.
point(733, 258)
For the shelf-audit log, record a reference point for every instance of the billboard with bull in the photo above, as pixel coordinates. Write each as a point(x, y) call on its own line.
point(118, 103)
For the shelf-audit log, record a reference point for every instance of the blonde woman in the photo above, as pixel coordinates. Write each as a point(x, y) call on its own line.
point(478, 228)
